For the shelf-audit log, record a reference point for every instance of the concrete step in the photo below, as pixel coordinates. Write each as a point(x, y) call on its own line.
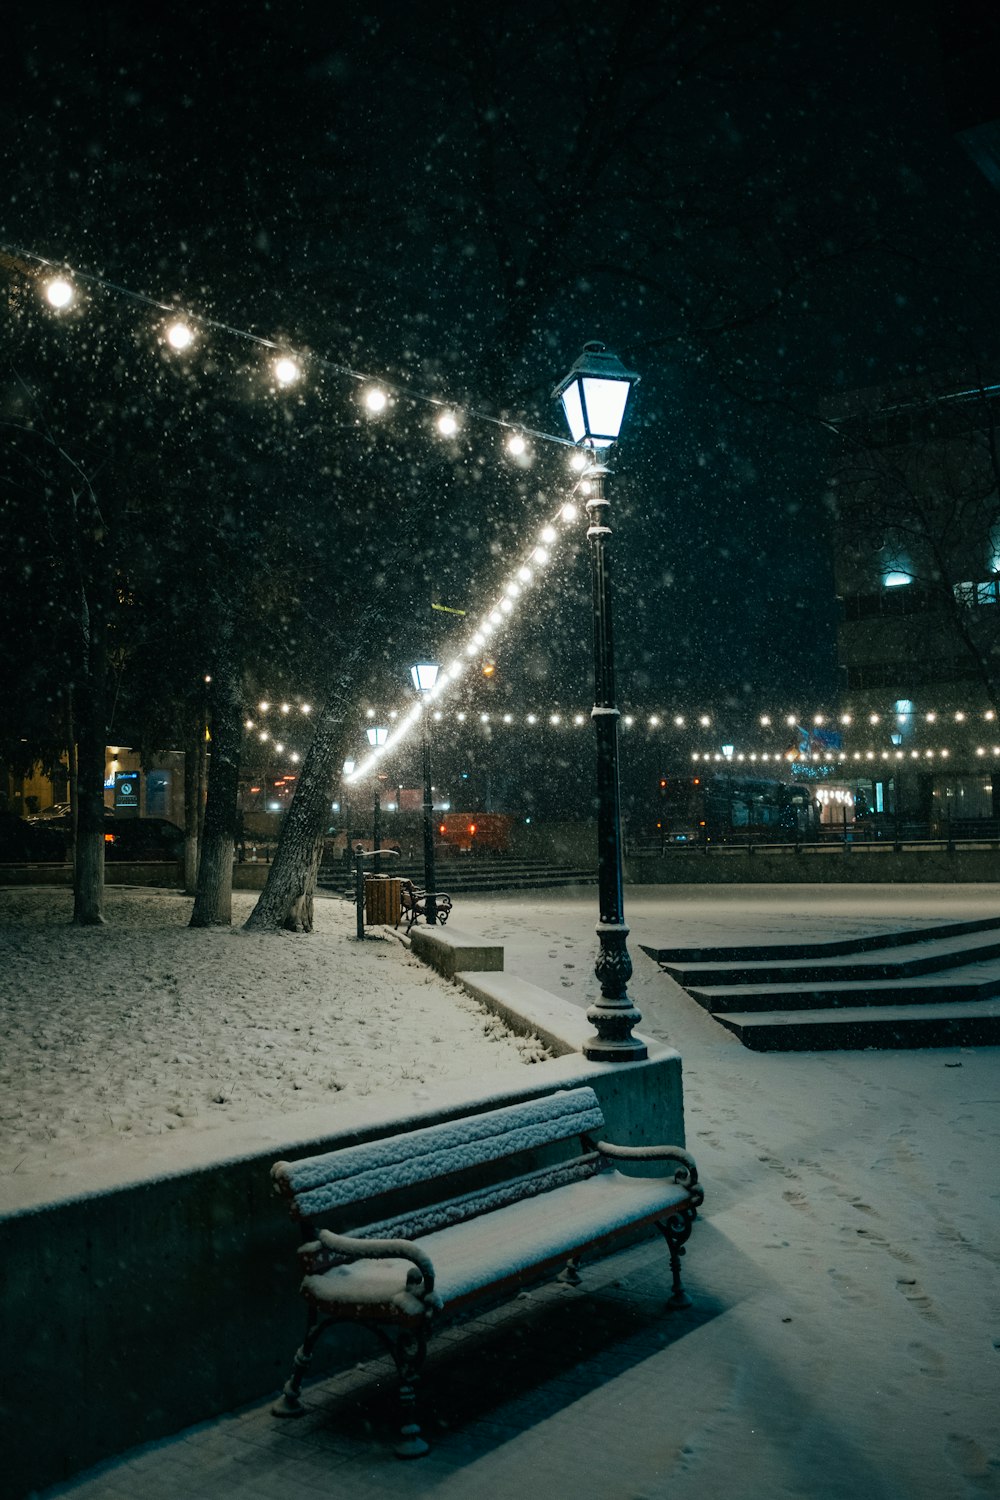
point(855, 1028)
point(926, 956)
point(471, 876)
point(961, 986)
point(823, 948)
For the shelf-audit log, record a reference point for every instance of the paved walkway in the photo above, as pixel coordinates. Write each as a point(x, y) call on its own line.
point(552, 1395)
point(845, 1337)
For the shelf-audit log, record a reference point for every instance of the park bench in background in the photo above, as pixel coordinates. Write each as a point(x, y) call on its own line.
point(491, 1202)
point(414, 904)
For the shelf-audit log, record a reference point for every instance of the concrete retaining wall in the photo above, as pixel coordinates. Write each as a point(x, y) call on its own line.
point(246, 877)
point(815, 867)
point(138, 1309)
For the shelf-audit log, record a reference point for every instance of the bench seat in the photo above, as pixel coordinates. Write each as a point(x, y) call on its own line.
point(498, 1250)
point(437, 1217)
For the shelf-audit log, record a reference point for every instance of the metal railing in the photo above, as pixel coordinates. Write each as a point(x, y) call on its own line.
point(908, 835)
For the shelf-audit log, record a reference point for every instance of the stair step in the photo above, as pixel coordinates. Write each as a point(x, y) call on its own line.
point(472, 877)
point(855, 1028)
point(928, 956)
point(821, 948)
point(924, 990)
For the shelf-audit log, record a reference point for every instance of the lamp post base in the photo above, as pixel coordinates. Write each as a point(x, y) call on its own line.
point(613, 1049)
point(613, 1015)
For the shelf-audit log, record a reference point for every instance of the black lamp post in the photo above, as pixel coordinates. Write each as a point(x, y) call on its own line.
point(345, 804)
point(594, 396)
point(424, 676)
point(377, 737)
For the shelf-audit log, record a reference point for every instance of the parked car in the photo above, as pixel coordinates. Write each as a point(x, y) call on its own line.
point(143, 839)
point(147, 840)
point(23, 840)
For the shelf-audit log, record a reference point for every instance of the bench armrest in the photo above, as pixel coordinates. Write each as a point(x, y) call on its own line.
point(687, 1171)
point(345, 1244)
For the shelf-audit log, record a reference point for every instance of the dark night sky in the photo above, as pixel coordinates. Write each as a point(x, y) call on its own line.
point(791, 218)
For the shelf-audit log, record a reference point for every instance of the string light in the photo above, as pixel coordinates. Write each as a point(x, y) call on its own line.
point(286, 370)
point(180, 336)
point(59, 293)
point(59, 290)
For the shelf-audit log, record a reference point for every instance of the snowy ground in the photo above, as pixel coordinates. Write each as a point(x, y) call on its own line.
point(117, 1037)
point(847, 1259)
point(852, 1216)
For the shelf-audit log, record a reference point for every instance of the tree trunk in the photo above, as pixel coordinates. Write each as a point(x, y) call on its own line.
point(92, 730)
point(193, 803)
point(213, 906)
point(287, 898)
point(88, 879)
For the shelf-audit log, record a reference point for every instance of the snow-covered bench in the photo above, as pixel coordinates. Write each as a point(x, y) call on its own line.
point(493, 1200)
point(413, 904)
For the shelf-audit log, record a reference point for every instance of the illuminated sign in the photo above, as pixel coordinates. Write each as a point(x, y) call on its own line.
point(127, 789)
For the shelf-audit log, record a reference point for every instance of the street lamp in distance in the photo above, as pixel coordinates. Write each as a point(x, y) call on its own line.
point(594, 396)
point(424, 676)
point(377, 736)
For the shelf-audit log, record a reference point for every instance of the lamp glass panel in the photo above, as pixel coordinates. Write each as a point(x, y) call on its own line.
point(574, 411)
point(606, 401)
point(424, 675)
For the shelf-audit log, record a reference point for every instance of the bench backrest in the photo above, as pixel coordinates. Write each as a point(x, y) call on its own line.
point(318, 1185)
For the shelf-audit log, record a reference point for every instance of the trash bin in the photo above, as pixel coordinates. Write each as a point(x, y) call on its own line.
point(383, 899)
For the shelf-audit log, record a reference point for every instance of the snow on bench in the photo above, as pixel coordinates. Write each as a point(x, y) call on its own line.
point(432, 1221)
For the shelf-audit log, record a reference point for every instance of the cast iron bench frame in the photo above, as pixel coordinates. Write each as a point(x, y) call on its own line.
point(413, 904)
point(492, 1201)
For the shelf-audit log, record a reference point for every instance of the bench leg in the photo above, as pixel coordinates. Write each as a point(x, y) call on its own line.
point(676, 1231)
point(570, 1273)
point(289, 1403)
point(408, 1351)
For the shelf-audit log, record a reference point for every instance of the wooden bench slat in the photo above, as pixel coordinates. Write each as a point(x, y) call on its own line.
point(355, 1174)
point(449, 1234)
point(433, 1216)
point(503, 1247)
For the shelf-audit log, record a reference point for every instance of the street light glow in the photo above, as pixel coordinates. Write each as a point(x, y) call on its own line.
point(376, 400)
point(447, 424)
point(180, 336)
point(286, 370)
point(59, 292)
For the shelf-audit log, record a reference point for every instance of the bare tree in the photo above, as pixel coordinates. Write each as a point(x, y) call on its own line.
point(917, 501)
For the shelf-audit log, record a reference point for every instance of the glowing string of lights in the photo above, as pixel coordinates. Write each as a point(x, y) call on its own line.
point(59, 289)
point(495, 616)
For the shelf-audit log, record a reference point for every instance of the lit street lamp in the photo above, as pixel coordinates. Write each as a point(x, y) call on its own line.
point(344, 810)
point(594, 395)
point(424, 676)
point(377, 737)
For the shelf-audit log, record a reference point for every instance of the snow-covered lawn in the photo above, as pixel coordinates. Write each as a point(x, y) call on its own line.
point(113, 1038)
point(851, 1229)
point(848, 1255)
